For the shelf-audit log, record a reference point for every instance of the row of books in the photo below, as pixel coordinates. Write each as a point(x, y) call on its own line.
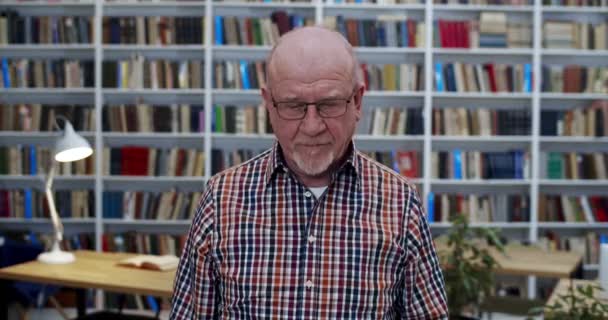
point(486, 2)
point(575, 35)
point(155, 118)
point(564, 208)
point(459, 164)
point(31, 160)
point(492, 30)
point(574, 79)
point(479, 208)
point(405, 162)
point(591, 121)
point(17, 29)
point(37, 117)
point(385, 31)
point(231, 30)
point(28, 204)
point(25, 73)
point(143, 161)
point(573, 165)
point(576, 3)
point(393, 77)
point(139, 73)
point(481, 122)
point(588, 121)
point(239, 74)
point(466, 77)
point(154, 30)
point(241, 120)
point(136, 205)
point(396, 121)
point(136, 242)
point(587, 244)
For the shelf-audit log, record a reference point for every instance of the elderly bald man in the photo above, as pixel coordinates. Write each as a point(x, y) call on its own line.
point(311, 228)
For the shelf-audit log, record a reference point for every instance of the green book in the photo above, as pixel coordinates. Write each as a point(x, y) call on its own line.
point(555, 166)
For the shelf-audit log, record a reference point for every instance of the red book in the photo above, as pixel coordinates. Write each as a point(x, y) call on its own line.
point(492, 77)
point(411, 33)
point(407, 163)
point(134, 161)
point(598, 209)
point(249, 28)
point(282, 20)
point(453, 34)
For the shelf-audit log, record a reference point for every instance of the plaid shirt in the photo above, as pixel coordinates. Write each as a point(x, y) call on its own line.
point(262, 247)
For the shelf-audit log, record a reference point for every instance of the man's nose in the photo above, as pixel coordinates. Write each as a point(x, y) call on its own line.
point(313, 123)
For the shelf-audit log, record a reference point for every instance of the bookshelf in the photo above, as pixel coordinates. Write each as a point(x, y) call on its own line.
point(425, 53)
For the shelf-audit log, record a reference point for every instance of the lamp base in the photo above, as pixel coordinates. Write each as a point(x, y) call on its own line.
point(56, 256)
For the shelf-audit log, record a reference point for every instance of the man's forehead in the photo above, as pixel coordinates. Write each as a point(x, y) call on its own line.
point(291, 88)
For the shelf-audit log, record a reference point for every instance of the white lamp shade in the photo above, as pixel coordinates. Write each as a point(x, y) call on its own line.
point(71, 146)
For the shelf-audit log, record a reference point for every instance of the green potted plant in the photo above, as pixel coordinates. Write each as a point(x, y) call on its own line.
point(468, 267)
point(576, 304)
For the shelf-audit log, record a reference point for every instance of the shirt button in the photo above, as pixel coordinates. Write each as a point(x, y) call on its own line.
point(311, 239)
point(307, 194)
point(308, 284)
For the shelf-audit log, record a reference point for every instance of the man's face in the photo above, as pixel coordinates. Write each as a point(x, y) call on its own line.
point(311, 145)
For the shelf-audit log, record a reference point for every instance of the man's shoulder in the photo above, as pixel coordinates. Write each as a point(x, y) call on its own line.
point(253, 169)
point(372, 170)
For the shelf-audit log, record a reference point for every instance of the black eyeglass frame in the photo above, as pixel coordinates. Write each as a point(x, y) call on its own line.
point(304, 106)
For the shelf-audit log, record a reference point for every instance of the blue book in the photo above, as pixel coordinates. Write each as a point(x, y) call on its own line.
point(431, 207)
point(5, 73)
point(219, 30)
point(519, 164)
point(152, 303)
point(28, 204)
point(33, 162)
point(403, 33)
point(457, 155)
point(395, 161)
point(363, 41)
point(439, 76)
point(450, 78)
point(28, 198)
point(527, 77)
point(245, 75)
point(341, 26)
point(381, 36)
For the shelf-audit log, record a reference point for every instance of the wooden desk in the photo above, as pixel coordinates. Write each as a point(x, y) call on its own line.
point(96, 270)
point(530, 260)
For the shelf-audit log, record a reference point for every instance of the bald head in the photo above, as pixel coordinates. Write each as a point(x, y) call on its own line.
point(310, 50)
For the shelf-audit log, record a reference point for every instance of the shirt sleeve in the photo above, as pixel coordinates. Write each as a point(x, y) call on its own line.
point(195, 286)
point(423, 293)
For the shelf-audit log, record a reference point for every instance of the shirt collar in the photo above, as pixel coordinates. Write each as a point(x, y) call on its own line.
point(276, 163)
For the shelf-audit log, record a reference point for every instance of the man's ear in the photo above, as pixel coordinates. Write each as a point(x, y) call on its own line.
point(267, 97)
point(358, 97)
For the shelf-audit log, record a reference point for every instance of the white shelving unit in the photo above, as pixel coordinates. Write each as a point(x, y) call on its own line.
point(209, 52)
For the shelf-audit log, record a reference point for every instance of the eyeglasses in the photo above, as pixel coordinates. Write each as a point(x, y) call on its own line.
point(296, 110)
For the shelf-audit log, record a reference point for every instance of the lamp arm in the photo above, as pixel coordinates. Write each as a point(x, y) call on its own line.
point(57, 225)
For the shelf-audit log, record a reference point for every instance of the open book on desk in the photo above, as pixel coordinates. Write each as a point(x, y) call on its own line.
point(151, 262)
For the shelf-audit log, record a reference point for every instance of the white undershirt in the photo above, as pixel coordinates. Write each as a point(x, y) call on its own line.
point(318, 191)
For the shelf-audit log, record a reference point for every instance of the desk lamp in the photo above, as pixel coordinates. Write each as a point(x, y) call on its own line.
point(69, 147)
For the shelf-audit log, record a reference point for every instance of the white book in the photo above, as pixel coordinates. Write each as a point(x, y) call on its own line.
point(584, 201)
